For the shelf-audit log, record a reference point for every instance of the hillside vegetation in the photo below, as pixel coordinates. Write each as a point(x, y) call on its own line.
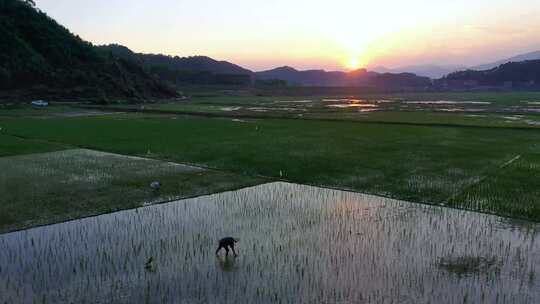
point(178, 71)
point(519, 75)
point(41, 58)
point(361, 77)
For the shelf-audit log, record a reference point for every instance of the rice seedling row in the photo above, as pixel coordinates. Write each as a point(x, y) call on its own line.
point(298, 244)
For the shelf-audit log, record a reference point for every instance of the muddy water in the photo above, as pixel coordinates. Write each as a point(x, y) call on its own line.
point(298, 244)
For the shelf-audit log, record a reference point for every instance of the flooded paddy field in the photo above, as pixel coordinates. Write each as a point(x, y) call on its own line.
point(490, 109)
point(298, 244)
point(527, 102)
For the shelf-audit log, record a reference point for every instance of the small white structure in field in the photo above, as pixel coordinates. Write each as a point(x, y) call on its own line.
point(155, 185)
point(39, 103)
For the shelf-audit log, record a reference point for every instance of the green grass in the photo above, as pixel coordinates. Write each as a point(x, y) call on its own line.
point(429, 164)
point(52, 187)
point(11, 145)
point(515, 186)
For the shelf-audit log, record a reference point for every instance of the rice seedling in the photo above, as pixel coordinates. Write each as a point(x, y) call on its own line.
point(416, 161)
point(299, 244)
point(56, 186)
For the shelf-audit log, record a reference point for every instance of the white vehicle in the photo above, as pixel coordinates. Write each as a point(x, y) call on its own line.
point(40, 103)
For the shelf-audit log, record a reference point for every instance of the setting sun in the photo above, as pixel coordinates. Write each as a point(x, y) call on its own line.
point(281, 151)
point(354, 63)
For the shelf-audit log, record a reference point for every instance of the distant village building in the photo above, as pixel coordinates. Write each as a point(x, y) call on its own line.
point(470, 83)
point(40, 103)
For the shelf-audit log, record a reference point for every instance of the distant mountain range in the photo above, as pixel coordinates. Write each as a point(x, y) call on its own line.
point(518, 58)
point(434, 71)
point(184, 70)
point(359, 77)
point(511, 75)
point(514, 73)
point(304, 78)
point(205, 70)
point(191, 64)
point(39, 57)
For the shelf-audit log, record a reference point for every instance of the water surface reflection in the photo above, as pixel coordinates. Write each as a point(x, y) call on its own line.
point(298, 244)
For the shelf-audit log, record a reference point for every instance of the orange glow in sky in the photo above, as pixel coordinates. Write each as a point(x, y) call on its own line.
point(334, 35)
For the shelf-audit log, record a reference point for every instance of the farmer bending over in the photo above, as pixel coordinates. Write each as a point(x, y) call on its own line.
point(227, 243)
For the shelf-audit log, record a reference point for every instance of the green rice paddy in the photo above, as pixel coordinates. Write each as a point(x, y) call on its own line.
point(425, 155)
point(51, 187)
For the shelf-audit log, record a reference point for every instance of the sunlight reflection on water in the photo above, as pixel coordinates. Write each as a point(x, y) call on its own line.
point(298, 244)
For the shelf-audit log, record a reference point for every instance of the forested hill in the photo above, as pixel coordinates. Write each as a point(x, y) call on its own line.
point(185, 70)
point(524, 74)
point(41, 58)
point(359, 77)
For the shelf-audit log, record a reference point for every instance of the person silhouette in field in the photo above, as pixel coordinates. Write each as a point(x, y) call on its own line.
point(226, 243)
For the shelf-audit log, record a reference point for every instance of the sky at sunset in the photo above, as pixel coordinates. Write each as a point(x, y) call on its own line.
point(333, 35)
